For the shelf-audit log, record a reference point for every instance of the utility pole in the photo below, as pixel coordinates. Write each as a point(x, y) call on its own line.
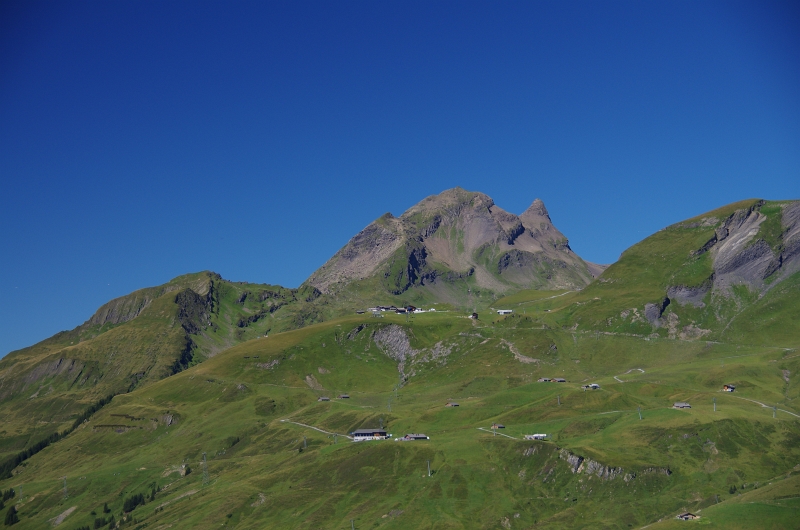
point(334, 439)
point(429, 468)
point(559, 400)
point(66, 495)
point(381, 420)
point(305, 445)
point(774, 410)
point(715, 404)
point(640, 412)
point(205, 470)
point(352, 526)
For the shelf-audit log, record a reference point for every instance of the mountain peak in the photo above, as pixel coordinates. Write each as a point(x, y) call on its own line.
point(454, 237)
point(537, 209)
point(450, 198)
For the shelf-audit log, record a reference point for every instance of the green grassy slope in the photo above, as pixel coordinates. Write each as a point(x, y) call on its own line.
point(130, 342)
point(616, 302)
point(263, 474)
point(616, 457)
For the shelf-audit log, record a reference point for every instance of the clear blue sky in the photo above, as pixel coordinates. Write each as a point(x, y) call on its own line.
point(140, 140)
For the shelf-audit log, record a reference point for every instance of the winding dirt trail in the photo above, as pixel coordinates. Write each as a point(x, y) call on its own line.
point(629, 371)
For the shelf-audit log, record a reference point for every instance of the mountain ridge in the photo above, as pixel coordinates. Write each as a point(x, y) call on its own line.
point(261, 418)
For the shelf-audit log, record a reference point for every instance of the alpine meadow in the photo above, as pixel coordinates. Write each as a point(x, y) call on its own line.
point(662, 385)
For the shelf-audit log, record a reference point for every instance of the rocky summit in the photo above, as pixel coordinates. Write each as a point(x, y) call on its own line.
point(455, 239)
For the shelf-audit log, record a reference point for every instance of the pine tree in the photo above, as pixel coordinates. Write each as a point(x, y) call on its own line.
point(106, 508)
point(11, 516)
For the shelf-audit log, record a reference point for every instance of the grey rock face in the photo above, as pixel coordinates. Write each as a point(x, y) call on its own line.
point(653, 312)
point(573, 460)
point(741, 257)
point(393, 341)
point(688, 295)
point(579, 464)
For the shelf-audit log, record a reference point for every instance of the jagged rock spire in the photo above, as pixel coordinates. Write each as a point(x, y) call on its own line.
point(536, 208)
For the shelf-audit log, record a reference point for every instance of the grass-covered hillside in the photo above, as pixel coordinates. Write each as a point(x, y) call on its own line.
point(726, 275)
point(217, 417)
point(133, 341)
point(271, 460)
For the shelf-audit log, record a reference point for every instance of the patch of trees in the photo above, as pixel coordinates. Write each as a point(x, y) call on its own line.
point(131, 503)
point(8, 494)
point(11, 463)
point(100, 522)
point(11, 516)
point(90, 411)
point(139, 499)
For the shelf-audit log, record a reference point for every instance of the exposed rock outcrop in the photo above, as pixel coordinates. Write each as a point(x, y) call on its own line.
point(579, 464)
point(653, 312)
point(393, 341)
point(741, 255)
point(454, 235)
point(684, 295)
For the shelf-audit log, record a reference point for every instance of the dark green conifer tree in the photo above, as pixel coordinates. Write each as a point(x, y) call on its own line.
point(11, 516)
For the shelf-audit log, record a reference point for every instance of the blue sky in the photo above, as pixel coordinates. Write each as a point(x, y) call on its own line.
point(140, 140)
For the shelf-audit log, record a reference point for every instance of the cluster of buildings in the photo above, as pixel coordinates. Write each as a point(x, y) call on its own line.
point(395, 309)
point(340, 396)
point(361, 435)
point(552, 379)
